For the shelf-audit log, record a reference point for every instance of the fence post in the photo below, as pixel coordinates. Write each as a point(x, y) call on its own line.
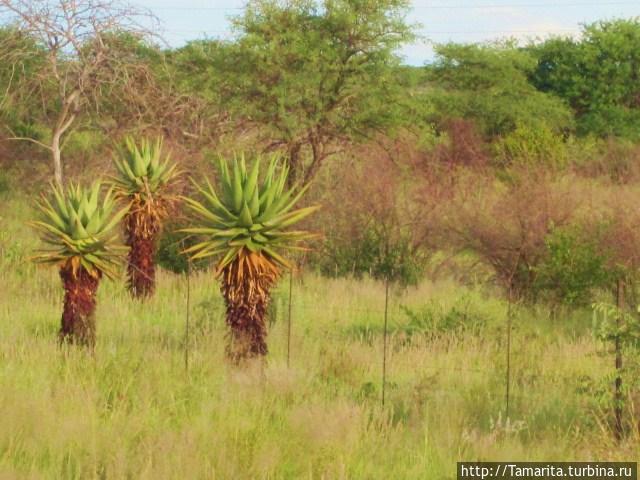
point(289, 318)
point(186, 330)
point(617, 409)
point(384, 349)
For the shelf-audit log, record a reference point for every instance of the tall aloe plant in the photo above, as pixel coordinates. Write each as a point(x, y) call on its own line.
point(246, 223)
point(77, 224)
point(144, 180)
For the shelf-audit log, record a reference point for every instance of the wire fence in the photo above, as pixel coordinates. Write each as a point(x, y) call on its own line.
point(504, 375)
point(382, 331)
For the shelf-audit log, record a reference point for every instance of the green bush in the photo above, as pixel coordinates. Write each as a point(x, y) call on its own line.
point(573, 269)
point(531, 146)
point(369, 254)
point(170, 246)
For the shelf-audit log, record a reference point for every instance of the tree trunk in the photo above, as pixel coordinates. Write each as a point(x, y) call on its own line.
point(141, 232)
point(316, 159)
point(141, 269)
point(295, 160)
point(57, 159)
point(247, 297)
point(67, 116)
point(78, 317)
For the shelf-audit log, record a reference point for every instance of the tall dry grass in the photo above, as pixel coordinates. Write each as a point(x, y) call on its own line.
point(132, 411)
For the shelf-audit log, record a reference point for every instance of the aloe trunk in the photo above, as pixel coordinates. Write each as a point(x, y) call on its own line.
point(247, 299)
point(78, 316)
point(141, 270)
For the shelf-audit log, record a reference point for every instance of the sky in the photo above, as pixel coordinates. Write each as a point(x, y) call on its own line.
point(440, 20)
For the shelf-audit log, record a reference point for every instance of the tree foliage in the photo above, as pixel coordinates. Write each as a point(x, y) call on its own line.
point(598, 75)
point(310, 74)
point(489, 84)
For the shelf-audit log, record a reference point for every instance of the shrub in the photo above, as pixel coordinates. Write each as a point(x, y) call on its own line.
point(574, 267)
point(170, 245)
point(462, 145)
point(531, 146)
point(616, 159)
point(620, 239)
point(369, 254)
point(370, 220)
point(505, 224)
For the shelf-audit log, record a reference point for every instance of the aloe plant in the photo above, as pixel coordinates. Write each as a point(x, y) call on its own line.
point(145, 180)
point(77, 226)
point(246, 223)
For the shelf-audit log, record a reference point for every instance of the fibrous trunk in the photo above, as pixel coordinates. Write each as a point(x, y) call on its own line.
point(78, 316)
point(245, 286)
point(142, 235)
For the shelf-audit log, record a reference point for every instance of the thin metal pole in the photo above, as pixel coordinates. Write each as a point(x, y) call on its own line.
point(508, 373)
point(618, 346)
point(186, 330)
point(384, 349)
point(289, 318)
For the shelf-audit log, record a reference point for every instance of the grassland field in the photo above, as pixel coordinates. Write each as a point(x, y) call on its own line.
point(133, 411)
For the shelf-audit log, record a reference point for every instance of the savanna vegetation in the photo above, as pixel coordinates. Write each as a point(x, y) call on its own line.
point(294, 211)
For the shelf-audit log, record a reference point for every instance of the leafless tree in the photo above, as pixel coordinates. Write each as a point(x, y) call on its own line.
point(79, 65)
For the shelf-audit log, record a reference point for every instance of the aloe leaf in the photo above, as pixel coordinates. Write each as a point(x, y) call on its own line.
point(245, 218)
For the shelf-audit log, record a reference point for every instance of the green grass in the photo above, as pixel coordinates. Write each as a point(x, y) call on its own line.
point(132, 411)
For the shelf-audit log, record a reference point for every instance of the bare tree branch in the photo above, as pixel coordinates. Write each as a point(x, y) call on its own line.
point(32, 140)
point(79, 61)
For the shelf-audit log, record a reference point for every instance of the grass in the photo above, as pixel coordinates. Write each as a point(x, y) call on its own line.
point(133, 411)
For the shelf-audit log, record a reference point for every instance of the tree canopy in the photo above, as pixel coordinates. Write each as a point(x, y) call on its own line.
point(310, 74)
point(598, 75)
point(490, 84)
